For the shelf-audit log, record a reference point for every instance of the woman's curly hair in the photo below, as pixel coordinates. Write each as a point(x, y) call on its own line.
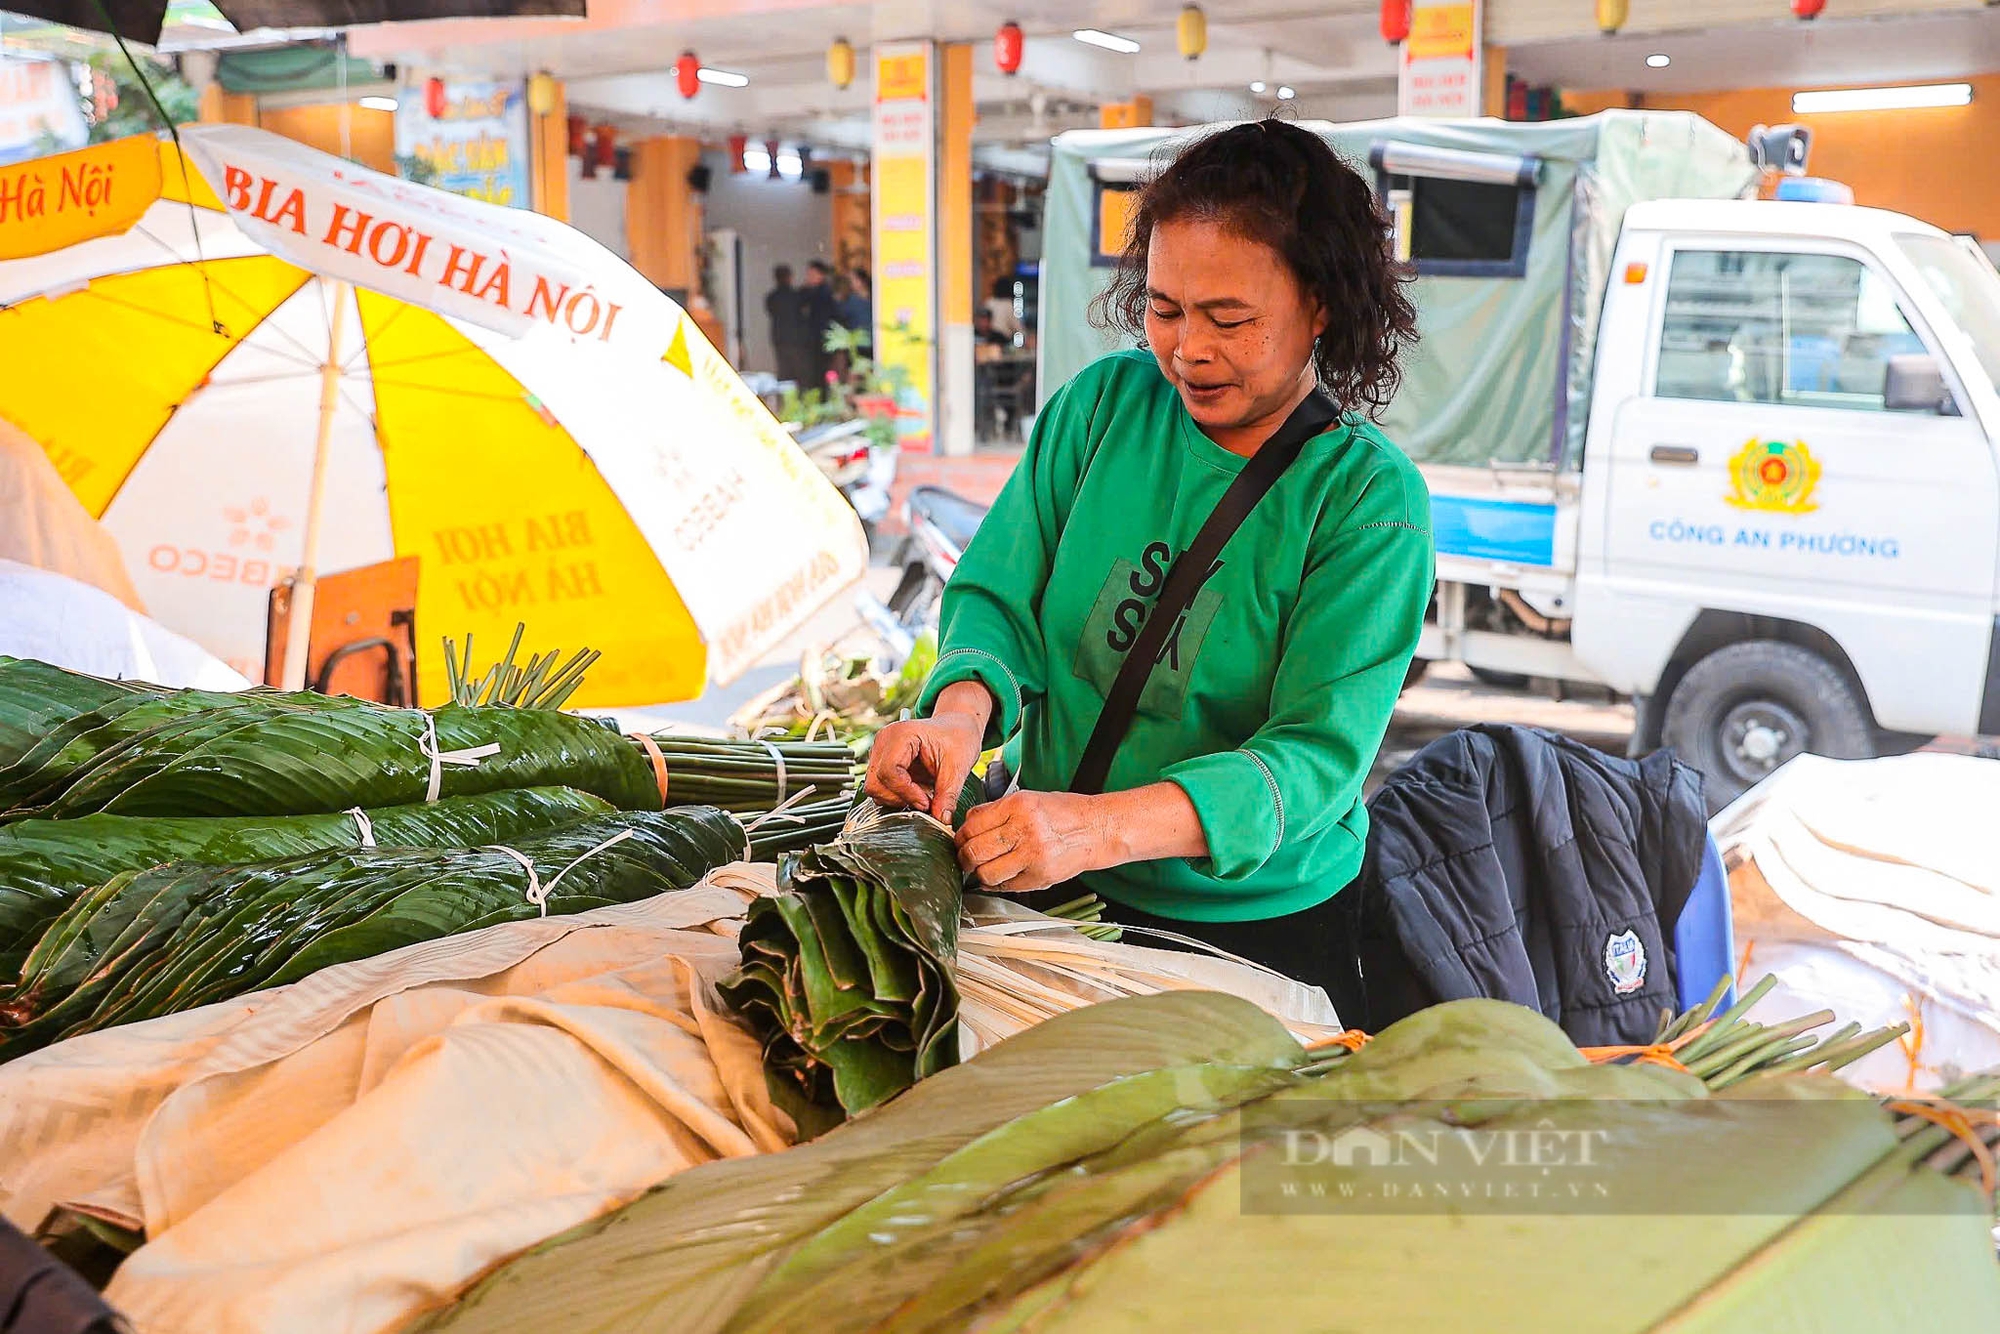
point(1273, 182)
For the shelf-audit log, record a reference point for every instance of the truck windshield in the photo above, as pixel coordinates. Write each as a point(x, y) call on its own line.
point(1969, 289)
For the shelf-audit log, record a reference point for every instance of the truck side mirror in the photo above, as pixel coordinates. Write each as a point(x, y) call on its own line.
point(1915, 384)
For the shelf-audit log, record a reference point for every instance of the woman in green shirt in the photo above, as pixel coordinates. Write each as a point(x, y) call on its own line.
point(1258, 273)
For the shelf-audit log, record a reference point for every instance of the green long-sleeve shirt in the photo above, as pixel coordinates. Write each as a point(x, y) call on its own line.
point(1270, 699)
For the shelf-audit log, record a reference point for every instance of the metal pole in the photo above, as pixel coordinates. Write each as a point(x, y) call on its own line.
point(298, 624)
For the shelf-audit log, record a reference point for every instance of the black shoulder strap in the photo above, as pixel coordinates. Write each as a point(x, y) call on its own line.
point(1186, 577)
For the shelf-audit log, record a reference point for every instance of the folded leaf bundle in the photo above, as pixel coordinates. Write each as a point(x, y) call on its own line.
point(75, 745)
point(1124, 1166)
point(846, 973)
point(304, 755)
point(37, 696)
point(174, 937)
point(44, 864)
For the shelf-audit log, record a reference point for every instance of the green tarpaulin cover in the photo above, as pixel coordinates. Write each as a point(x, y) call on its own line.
point(1503, 371)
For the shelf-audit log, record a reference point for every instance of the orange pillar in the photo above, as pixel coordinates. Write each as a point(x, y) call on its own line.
point(548, 158)
point(663, 222)
point(218, 106)
point(1493, 77)
point(852, 214)
point(954, 203)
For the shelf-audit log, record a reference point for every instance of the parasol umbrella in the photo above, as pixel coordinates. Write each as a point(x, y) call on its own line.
point(141, 20)
point(314, 366)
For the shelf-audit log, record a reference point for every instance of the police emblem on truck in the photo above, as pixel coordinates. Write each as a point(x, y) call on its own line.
point(1775, 475)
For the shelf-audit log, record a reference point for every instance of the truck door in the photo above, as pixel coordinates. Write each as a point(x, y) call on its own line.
point(1760, 469)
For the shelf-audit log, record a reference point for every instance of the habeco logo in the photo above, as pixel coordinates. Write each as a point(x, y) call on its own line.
point(1775, 475)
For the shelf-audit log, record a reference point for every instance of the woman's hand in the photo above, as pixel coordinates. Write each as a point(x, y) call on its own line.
point(922, 765)
point(1031, 840)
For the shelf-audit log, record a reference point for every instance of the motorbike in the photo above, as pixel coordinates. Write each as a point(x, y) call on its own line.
point(940, 524)
point(860, 471)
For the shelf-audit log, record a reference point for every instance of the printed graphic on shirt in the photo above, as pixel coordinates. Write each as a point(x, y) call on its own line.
point(1122, 606)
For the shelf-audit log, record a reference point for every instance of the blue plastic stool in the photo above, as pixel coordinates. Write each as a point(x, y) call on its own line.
point(1705, 937)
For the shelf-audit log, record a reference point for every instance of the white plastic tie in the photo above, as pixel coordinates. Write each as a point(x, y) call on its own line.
point(781, 811)
point(466, 758)
point(538, 893)
point(362, 825)
point(777, 758)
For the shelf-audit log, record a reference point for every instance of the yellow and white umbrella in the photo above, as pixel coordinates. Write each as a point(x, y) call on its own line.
point(291, 363)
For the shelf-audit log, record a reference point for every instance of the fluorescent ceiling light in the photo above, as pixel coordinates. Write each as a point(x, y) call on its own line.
point(722, 78)
point(1286, 92)
point(1110, 41)
point(1257, 87)
point(1884, 99)
point(379, 103)
point(1658, 61)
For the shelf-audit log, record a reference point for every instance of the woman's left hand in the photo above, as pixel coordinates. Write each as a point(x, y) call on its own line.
point(1032, 840)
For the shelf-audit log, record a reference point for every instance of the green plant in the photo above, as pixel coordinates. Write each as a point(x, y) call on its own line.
point(132, 111)
point(870, 379)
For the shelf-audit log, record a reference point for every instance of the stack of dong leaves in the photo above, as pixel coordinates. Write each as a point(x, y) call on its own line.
point(846, 973)
point(1174, 1163)
point(163, 849)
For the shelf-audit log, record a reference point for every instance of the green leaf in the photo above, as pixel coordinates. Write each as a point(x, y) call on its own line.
point(846, 973)
point(45, 864)
point(684, 1256)
point(182, 935)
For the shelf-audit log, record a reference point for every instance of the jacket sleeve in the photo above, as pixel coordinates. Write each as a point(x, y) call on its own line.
point(1342, 659)
point(990, 625)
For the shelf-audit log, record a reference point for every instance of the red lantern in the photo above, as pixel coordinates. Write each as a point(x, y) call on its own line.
point(578, 127)
point(434, 98)
point(604, 145)
point(1007, 45)
point(1395, 21)
point(737, 143)
point(687, 74)
point(1808, 9)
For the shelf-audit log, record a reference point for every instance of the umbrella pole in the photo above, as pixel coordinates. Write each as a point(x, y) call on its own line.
point(298, 623)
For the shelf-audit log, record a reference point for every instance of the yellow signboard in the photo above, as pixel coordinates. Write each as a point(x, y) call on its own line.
point(49, 203)
point(906, 234)
point(1441, 32)
point(1439, 71)
point(903, 74)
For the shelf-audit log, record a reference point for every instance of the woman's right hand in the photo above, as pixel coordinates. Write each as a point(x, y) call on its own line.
point(923, 765)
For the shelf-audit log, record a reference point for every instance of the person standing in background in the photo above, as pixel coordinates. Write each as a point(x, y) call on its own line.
point(784, 306)
point(816, 307)
point(860, 312)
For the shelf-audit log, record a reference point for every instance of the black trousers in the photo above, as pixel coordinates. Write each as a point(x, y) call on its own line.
point(1320, 945)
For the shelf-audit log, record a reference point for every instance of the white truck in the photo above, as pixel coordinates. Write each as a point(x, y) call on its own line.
point(1732, 457)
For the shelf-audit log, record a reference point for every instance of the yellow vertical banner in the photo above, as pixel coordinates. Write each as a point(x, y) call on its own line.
point(905, 228)
point(1439, 70)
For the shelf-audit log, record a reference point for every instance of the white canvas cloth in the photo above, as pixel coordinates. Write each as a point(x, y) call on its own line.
point(346, 1152)
point(1872, 888)
point(72, 624)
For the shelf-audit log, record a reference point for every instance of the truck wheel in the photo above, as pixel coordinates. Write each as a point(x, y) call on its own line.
point(1745, 709)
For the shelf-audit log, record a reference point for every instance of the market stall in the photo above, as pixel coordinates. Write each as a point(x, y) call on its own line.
point(468, 1019)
